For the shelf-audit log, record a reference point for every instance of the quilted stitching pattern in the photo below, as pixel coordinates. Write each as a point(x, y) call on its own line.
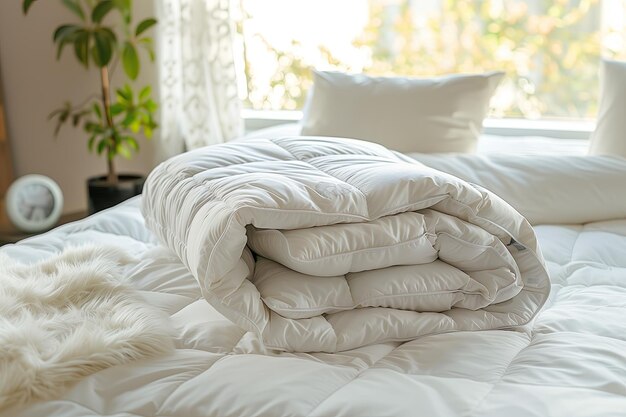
point(570, 364)
point(200, 204)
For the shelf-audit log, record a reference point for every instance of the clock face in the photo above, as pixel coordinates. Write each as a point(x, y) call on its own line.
point(35, 202)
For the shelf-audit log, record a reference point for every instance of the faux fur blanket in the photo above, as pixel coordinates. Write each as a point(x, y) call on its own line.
point(67, 317)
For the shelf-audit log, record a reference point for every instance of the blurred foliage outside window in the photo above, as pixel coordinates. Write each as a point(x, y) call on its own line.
point(550, 50)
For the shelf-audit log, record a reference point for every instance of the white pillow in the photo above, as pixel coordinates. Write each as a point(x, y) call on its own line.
point(609, 138)
point(546, 189)
point(442, 114)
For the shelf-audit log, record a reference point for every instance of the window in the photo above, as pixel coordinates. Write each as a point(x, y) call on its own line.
point(550, 49)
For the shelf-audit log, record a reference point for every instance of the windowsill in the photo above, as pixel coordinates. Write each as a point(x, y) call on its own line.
point(561, 129)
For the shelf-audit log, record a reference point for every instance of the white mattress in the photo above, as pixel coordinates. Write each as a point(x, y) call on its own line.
point(573, 363)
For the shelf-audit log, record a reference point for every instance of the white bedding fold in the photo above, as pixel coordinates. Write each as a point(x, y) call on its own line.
point(546, 189)
point(322, 244)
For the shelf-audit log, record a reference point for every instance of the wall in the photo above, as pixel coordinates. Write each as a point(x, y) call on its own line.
point(35, 84)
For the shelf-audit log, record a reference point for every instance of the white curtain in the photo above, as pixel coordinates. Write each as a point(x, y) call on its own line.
point(197, 81)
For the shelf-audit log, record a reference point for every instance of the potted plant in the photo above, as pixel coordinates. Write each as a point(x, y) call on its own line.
point(111, 123)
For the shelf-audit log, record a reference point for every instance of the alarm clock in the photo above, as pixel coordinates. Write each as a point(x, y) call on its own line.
point(34, 203)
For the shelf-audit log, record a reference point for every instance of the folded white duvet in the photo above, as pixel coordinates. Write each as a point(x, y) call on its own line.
point(322, 244)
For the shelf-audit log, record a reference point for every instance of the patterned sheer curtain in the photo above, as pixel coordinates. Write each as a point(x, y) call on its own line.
point(198, 86)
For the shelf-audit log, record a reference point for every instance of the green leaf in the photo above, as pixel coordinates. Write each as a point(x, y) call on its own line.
point(150, 52)
point(81, 47)
point(67, 107)
point(60, 49)
point(82, 114)
point(146, 44)
point(102, 50)
point(92, 141)
point(105, 31)
point(121, 99)
point(150, 106)
point(26, 5)
point(123, 150)
point(122, 5)
point(144, 94)
point(128, 91)
point(125, 95)
point(144, 25)
point(129, 119)
point(132, 142)
point(61, 120)
point(130, 60)
point(64, 35)
point(117, 108)
point(74, 6)
point(64, 32)
point(93, 127)
point(101, 10)
point(102, 145)
point(62, 114)
point(97, 111)
point(76, 119)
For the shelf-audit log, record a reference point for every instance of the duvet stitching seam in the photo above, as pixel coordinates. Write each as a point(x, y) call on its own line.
point(482, 401)
point(368, 299)
point(327, 173)
point(354, 378)
point(356, 251)
point(168, 396)
point(95, 412)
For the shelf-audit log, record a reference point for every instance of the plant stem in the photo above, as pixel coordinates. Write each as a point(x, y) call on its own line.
point(106, 102)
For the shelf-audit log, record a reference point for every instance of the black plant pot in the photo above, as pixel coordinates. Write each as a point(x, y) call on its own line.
point(103, 195)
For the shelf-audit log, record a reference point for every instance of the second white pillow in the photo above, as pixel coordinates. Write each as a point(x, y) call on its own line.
point(443, 114)
point(608, 138)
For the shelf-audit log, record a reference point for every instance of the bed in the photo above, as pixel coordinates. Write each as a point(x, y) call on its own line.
point(572, 362)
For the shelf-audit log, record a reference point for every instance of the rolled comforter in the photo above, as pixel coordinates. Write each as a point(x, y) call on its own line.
point(323, 244)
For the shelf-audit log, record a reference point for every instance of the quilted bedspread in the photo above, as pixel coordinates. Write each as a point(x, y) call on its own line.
point(572, 363)
point(326, 244)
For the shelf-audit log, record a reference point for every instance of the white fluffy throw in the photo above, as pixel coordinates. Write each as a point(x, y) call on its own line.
point(67, 317)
